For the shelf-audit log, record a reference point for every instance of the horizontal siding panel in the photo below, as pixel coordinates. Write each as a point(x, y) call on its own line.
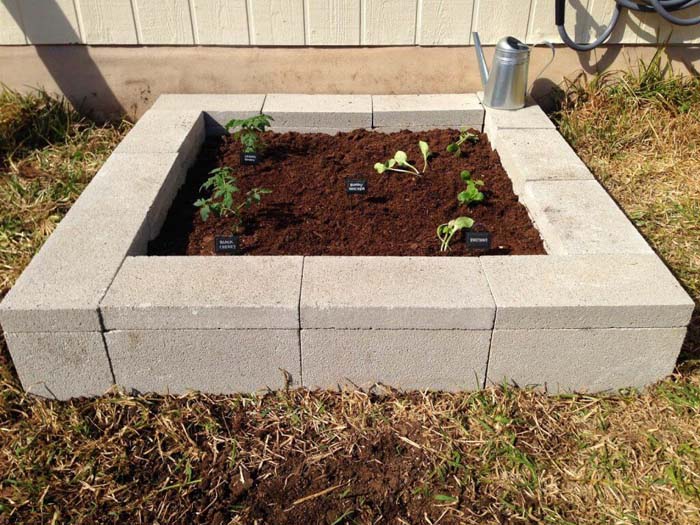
point(542, 27)
point(495, 19)
point(445, 22)
point(108, 21)
point(277, 22)
point(50, 22)
point(221, 22)
point(11, 32)
point(164, 22)
point(333, 22)
point(389, 22)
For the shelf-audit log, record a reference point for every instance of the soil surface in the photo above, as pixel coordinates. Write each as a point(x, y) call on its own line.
point(309, 212)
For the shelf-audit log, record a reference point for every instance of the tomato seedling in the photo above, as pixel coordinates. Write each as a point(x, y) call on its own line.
point(249, 132)
point(464, 136)
point(446, 231)
point(400, 159)
point(221, 201)
point(472, 193)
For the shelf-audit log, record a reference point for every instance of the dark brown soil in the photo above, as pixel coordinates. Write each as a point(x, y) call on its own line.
point(309, 212)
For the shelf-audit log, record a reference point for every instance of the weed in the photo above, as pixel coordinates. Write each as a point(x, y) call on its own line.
point(221, 202)
point(249, 132)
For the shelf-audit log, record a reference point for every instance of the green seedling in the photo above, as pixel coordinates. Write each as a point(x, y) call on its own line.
point(472, 193)
point(249, 132)
point(464, 136)
point(400, 159)
point(221, 202)
point(425, 151)
point(446, 231)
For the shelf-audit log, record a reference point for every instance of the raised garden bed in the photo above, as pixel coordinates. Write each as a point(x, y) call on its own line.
point(599, 311)
point(309, 212)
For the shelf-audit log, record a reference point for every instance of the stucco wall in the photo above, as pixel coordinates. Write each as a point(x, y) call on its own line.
point(315, 22)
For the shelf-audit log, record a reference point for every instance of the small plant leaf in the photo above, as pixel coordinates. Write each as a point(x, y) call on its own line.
point(381, 168)
point(461, 223)
point(466, 175)
point(401, 157)
point(452, 148)
point(391, 163)
point(424, 148)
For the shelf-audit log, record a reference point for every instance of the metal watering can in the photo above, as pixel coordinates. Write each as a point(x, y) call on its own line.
point(505, 87)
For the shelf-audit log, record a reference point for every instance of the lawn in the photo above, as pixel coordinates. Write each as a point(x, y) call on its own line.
point(501, 455)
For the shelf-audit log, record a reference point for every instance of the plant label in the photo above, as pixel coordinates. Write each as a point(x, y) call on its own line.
point(355, 186)
point(249, 158)
point(479, 240)
point(228, 245)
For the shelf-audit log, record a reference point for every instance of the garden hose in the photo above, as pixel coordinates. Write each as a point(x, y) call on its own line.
point(664, 8)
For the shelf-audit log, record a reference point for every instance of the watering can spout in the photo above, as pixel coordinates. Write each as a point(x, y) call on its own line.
point(483, 69)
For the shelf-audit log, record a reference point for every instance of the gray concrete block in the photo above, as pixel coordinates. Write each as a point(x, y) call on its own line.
point(597, 360)
point(406, 359)
point(61, 365)
point(204, 292)
point(325, 131)
point(218, 110)
point(166, 132)
point(212, 361)
point(417, 129)
point(529, 117)
point(319, 111)
point(585, 291)
point(409, 111)
point(395, 292)
point(538, 154)
point(579, 217)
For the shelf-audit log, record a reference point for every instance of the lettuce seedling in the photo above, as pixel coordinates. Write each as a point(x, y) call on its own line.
point(472, 193)
point(425, 151)
point(249, 132)
point(221, 201)
point(464, 136)
point(446, 231)
point(400, 159)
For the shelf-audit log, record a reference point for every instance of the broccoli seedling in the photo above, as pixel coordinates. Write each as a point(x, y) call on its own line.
point(249, 132)
point(446, 231)
point(464, 136)
point(425, 151)
point(400, 159)
point(221, 201)
point(472, 193)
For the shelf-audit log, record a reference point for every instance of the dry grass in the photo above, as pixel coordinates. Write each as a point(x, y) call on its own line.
point(497, 456)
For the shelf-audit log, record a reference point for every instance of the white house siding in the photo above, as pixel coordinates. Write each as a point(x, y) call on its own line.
point(317, 22)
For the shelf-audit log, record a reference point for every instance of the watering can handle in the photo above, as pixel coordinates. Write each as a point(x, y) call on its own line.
point(551, 47)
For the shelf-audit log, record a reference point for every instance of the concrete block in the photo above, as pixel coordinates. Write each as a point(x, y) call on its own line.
point(218, 110)
point(578, 217)
point(538, 154)
point(409, 111)
point(585, 291)
point(166, 132)
point(529, 117)
point(60, 365)
point(204, 292)
point(212, 361)
point(597, 360)
point(406, 359)
point(396, 129)
point(325, 131)
point(395, 292)
point(319, 111)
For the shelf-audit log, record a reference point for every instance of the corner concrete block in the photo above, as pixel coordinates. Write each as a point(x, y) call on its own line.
point(412, 111)
point(212, 361)
point(586, 291)
point(319, 111)
point(395, 292)
point(406, 359)
point(218, 110)
point(579, 217)
point(166, 132)
point(61, 365)
point(204, 292)
point(583, 361)
point(529, 117)
point(538, 154)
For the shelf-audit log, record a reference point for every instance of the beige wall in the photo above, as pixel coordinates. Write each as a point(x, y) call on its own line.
point(316, 22)
point(111, 81)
